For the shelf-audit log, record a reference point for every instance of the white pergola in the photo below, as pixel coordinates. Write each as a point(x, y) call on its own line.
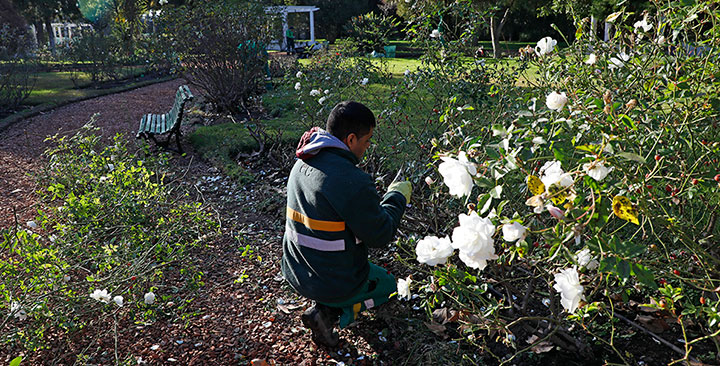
point(284, 11)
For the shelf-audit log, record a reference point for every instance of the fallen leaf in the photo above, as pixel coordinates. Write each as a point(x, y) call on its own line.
point(436, 328)
point(652, 324)
point(283, 308)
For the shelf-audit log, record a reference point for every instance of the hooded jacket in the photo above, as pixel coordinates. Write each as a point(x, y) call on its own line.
point(334, 214)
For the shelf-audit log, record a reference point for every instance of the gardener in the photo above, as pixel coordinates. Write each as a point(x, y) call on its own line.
point(334, 215)
point(290, 39)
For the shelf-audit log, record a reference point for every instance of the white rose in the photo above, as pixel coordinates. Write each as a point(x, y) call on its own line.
point(364, 81)
point(568, 285)
point(435, 33)
point(551, 173)
point(298, 86)
point(403, 288)
point(322, 100)
point(433, 250)
point(118, 300)
point(299, 74)
point(32, 224)
point(326, 92)
point(591, 59)
point(619, 61)
point(545, 46)
point(429, 181)
point(474, 240)
point(646, 27)
point(538, 140)
point(149, 298)
point(513, 232)
point(315, 93)
point(584, 259)
point(101, 295)
point(556, 101)
point(17, 311)
point(596, 170)
point(457, 174)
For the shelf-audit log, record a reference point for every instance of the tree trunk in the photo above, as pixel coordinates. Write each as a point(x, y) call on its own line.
point(495, 29)
point(40, 32)
point(51, 34)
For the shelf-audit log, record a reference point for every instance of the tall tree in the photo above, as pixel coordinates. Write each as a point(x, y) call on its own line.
point(43, 12)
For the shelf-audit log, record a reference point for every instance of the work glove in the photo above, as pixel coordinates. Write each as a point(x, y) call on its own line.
point(405, 188)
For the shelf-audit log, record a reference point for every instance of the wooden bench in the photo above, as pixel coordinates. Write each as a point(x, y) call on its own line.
point(168, 123)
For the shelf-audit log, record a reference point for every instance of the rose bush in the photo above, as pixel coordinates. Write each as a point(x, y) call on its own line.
point(605, 194)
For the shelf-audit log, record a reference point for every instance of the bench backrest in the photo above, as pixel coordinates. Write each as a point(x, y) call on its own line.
point(182, 96)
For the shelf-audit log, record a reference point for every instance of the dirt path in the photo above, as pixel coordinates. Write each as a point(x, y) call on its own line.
point(233, 321)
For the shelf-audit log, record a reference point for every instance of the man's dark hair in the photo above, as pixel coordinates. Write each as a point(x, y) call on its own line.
point(350, 117)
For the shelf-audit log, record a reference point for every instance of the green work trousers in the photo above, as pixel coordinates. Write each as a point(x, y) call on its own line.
point(376, 291)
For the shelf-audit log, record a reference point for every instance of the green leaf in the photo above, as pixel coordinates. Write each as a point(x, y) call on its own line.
point(499, 130)
point(496, 192)
point(16, 361)
point(612, 17)
point(623, 270)
point(632, 157)
point(608, 264)
point(644, 276)
point(484, 202)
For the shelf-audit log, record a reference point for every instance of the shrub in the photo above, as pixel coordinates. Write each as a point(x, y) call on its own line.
point(222, 49)
point(112, 224)
point(371, 32)
point(96, 54)
point(16, 81)
point(597, 188)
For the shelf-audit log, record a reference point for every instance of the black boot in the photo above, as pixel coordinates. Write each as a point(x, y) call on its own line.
point(321, 320)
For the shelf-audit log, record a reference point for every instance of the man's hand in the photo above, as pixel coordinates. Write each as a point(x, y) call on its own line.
point(403, 187)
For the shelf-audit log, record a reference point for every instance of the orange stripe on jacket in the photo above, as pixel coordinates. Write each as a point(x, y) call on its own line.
point(315, 224)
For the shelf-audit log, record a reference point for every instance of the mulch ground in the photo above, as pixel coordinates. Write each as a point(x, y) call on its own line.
point(234, 321)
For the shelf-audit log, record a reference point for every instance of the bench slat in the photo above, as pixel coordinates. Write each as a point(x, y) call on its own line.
point(164, 123)
point(142, 125)
point(153, 121)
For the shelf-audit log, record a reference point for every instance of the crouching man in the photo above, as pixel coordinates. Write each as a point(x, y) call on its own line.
point(334, 214)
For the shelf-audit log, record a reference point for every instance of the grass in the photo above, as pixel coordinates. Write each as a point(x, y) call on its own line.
point(57, 87)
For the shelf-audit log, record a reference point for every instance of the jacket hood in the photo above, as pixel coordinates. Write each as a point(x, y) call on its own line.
point(315, 140)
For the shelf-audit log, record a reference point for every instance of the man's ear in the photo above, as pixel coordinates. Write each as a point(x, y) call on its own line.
point(350, 139)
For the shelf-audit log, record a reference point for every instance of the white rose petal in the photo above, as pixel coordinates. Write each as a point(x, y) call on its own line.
point(429, 181)
point(619, 61)
point(545, 46)
point(322, 100)
point(567, 283)
point(539, 140)
point(101, 295)
point(32, 224)
point(17, 311)
point(457, 174)
point(299, 74)
point(646, 27)
point(149, 298)
point(298, 86)
point(118, 300)
point(596, 170)
point(433, 250)
point(364, 81)
point(315, 93)
point(513, 232)
point(591, 59)
point(556, 101)
point(403, 288)
point(435, 33)
point(326, 92)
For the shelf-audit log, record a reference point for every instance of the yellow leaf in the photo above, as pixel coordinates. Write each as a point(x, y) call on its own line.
point(623, 208)
point(535, 185)
point(558, 193)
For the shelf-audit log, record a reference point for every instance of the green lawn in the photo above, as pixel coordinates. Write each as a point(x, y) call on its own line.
point(57, 87)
